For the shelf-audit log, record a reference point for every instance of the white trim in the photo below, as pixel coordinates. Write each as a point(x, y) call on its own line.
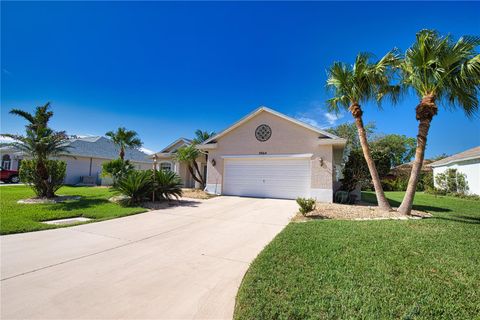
point(207, 146)
point(281, 115)
point(268, 156)
point(322, 195)
point(453, 161)
point(185, 140)
point(213, 188)
point(339, 142)
point(172, 166)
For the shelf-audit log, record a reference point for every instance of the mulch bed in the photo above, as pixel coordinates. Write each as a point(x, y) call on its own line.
point(361, 211)
point(196, 194)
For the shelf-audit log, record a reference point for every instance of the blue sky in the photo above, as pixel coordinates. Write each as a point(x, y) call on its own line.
point(166, 69)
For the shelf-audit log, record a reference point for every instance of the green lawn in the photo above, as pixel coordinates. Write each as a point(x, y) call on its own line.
point(326, 269)
point(94, 204)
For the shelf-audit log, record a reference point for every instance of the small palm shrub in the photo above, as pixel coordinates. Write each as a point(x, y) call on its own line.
point(306, 205)
point(116, 169)
point(30, 175)
point(167, 185)
point(136, 185)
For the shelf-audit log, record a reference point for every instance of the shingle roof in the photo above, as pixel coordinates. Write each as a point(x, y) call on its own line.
point(101, 147)
point(473, 153)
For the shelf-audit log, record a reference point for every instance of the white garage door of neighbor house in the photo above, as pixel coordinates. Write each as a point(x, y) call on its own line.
point(267, 178)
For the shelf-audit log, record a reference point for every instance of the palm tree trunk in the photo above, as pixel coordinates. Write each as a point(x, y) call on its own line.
point(190, 169)
point(122, 153)
point(425, 111)
point(382, 201)
point(202, 180)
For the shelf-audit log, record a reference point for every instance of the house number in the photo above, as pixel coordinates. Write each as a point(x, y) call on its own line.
point(262, 152)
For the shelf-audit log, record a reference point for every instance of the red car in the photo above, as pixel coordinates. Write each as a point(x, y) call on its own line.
point(9, 176)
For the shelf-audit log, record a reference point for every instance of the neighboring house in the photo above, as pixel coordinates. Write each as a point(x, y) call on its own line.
point(166, 161)
point(466, 162)
point(404, 169)
point(84, 160)
point(268, 154)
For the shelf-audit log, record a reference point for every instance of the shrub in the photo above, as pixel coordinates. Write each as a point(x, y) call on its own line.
point(452, 181)
point(30, 174)
point(167, 185)
point(116, 169)
point(137, 185)
point(306, 205)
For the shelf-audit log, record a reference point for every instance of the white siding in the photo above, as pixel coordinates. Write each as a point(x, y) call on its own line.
point(471, 169)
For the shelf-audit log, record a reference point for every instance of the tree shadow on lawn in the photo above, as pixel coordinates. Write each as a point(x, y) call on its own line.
point(460, 218)
point(77, 204)
point(418, 207)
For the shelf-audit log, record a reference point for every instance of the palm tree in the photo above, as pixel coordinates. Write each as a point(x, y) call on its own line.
point(124, 138)
point(188, 155)
point(438, 70)
point(359, 83)
point(40, 143)
point(202, 136)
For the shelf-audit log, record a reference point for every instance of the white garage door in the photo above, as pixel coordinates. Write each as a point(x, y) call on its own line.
point(267, 178)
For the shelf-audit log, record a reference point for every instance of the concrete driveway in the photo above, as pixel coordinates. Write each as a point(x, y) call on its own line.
point(184, 262)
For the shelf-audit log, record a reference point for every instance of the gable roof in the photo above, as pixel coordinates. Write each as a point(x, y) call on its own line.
point(278, 114)
point(167, 148)
point(103, 148)
point(469, 154)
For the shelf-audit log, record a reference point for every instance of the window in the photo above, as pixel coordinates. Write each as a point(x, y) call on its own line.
point(167, 166)
point(6, 161)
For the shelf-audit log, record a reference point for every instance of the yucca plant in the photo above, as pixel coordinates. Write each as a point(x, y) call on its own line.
point(438, 70)
point(136, 185)
point(167, 185)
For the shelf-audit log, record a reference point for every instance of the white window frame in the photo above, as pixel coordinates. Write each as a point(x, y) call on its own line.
point(165, 162)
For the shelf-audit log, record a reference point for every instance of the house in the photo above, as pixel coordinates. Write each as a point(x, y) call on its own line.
point(84, 159)
point(404, 169)
point(466, 162)
point(268, 154)
point(166, 161)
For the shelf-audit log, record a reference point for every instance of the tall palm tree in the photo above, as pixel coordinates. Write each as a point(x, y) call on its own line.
point(39, 143)
point(438, 70)
point(124, 138)
point(202, 136)
point(359, 83)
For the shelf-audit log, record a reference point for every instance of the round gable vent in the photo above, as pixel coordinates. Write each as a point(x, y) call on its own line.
point(263, 132)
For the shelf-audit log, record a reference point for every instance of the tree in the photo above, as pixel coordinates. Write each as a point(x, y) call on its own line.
point(202, 136)
point(117, 169)
point(356, 172)
point(124, 138)
point(349, 131)
point(360, 83)
point(189, 155)
point(438, 70)
point(40, 142)
point(399, 148)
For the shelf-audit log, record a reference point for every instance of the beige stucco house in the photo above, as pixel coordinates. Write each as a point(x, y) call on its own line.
point(268, 154)
point(166, 161)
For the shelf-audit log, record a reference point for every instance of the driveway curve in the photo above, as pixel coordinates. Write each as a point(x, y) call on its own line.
point(183, 262)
